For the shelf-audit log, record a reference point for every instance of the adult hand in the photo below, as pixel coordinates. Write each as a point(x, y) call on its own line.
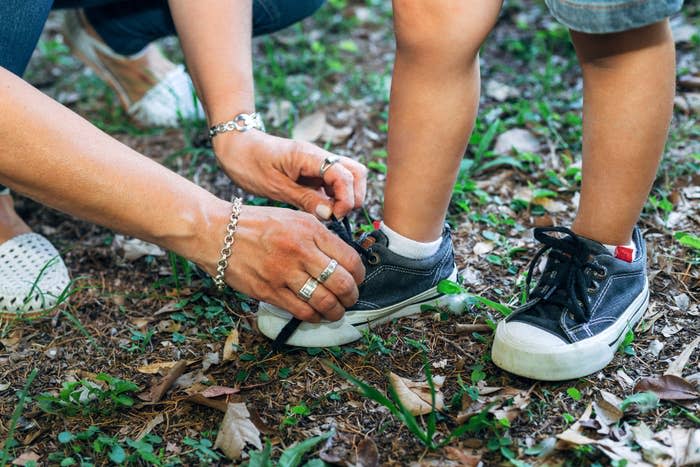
point(289, 171)
point(277, 250)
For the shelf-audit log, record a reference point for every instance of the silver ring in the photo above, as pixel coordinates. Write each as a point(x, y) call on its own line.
point(326, 164)
point(308, 289)
point(326, 273)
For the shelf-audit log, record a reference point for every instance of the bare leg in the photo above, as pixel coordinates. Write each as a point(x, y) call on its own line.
point(434, 100)
point(629, 83)
point(11, 224)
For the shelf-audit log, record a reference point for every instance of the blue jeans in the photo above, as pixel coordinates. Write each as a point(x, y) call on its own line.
point(127, 26)
point(605, 16)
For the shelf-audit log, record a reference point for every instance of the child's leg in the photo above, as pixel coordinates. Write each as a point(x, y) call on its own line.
point(434, 100)
point(11, 224)
point(629, 83)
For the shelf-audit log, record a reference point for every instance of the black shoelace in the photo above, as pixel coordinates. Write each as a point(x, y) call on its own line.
point(343, 230)
point(570, 275)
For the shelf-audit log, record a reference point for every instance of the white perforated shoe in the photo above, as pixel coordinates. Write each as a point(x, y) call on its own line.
point(171, 96)
point(33, 277)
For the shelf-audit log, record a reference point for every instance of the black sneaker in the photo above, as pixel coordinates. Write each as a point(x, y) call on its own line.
point(578, 314)
point(394, 286)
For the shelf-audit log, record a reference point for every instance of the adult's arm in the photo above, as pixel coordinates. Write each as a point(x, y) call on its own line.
point(54, 156)
point(216, 39)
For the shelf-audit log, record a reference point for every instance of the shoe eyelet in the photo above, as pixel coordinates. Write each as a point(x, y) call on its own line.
point(601, 275)
point(374, 259)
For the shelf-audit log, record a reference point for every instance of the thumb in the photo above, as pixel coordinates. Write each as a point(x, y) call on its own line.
point(312, 201)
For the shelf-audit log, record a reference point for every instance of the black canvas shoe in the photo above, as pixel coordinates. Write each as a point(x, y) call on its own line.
point(394, 286)
point(578, 314)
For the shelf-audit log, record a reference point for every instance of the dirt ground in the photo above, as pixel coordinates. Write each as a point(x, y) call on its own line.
point(126, 314)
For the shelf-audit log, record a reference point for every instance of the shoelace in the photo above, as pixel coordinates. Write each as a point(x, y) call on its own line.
point(343, 230)
point(567, 280)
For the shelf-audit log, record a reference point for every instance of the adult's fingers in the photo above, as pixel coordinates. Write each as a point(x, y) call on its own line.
point(343, 253)
point(340, 282)
point(310, 199)
point(322, 300)
point(307, 160)
point(359, 175)
point(291, 302)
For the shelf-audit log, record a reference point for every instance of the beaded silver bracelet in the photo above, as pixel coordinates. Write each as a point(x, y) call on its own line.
point(241, 122)
point(237, 205)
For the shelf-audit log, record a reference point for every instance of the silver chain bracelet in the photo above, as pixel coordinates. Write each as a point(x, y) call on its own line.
point(241, 122)
point(228, 243)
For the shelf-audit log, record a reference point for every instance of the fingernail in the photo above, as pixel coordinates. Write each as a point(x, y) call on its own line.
point(323, 211)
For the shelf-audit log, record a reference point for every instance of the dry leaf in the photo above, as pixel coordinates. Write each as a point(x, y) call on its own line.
point(676, 368)
point(517, 139)
point(217, 391)
point(607, 409)
point(157, 367)
point(668, 387)
point(236, 430)
point(481, 248)
point(210, 359)
point(670, 330)
point(231, 345)
point(154, 422)
point(652, 450)
point(158, 391)
point(499, 91)
point(26, 458)
point(168, 325)
point(333, 135)
point(278, 112)
point(464, 457)
point(310, 128)
point(415, 396)
point(551, 205)
point(133, 248)
point(367, 454)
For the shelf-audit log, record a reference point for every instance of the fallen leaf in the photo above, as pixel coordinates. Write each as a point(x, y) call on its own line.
point(168, 325)
point(652, 450)
point(158, 390)
point(655, 347)
point(157, 367)
point(367, 453)
point(218, 391)
point(682, 301)
point(551, 205)
point(210, 359)
point(499, 91)
point(26, 457)
point(607, 410)
point(278, 112)
point(481, 248)
point(4, 386)
point(415, 396)
point(154, 422)
point(231, 345)
point(333, 135)
point(134, 248)
point(236, 431)
point(517, 139)
point(464, 457)
point(676, 368)
point(310, 128)
point(668, 387)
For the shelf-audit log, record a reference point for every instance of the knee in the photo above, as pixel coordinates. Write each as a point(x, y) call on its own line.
point(443, 28)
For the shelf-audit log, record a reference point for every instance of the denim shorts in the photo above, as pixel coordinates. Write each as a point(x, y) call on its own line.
point(603, 16)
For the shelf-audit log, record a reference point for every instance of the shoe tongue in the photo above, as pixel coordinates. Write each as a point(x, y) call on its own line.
point(595, 248)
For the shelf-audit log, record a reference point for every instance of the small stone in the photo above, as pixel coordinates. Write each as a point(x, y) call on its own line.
point(655, 347)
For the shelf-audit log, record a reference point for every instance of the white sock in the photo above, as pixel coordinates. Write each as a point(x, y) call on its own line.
point(630, 245)
point(408, 248)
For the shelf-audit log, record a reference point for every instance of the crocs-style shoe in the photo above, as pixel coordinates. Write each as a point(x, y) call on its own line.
point(33, 276)
point(168, 101)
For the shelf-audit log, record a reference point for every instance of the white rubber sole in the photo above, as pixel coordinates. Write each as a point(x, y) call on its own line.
point(272, 319)
point(566, 361)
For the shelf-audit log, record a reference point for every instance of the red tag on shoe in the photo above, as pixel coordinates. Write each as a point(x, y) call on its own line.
point(624, 253)
point(376, 224)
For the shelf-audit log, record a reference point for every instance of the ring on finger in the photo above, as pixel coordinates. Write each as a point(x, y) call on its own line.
point(326, 273)
point(326, 164)
point(307, 290)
